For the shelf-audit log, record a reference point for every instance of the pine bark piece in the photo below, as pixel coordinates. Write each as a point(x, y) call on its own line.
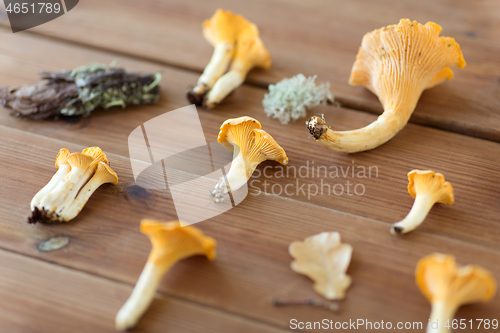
point(80, 91)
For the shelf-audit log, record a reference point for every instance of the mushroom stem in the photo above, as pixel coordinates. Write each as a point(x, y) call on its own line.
point(223, 87)
point(69, 184)
point(369, 137)
point(70, 211)
point(441, 313)
point(421, 207)
point(142, 295)
point(54, 181)
point(75, 190)
point(241, 170)
point(218, 64)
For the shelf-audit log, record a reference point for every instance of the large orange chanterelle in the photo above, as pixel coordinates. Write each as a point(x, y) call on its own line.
point(397, 63)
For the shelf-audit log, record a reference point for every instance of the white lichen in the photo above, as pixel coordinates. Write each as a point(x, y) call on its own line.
point(289, 99)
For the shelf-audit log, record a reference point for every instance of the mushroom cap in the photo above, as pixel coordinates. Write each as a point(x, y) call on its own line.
point(223, 26)
point(62, 157)
point(255, 143)
point(266, 148)
point(250, 50)
point(399, 61)
point(172, 240)
point(237, 131)
point(82, 161)
point(106, 174)
point(429, 182)
point(440, 279)
point(96, 153)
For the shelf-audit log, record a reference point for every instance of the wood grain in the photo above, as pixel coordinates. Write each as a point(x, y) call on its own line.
point(252, 265)
point(468, 163)
point(323, 40)
point(41, 297)
point(81, 286)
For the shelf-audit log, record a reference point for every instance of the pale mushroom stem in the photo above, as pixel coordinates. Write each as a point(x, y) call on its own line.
point(73, 209)
point(421, 207)
point(56, 179)
point(227, 83)
point(216, 67)
point(75, 190)
point(369, 137)
point(63, 189)
point(440, 314)
point(241, 170)
point(142, 295)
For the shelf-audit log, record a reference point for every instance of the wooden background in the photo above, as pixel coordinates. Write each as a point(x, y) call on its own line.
point(455, 130)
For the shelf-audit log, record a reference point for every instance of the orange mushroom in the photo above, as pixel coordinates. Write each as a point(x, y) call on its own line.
point(171, 243)
point(427, 188)
point(221, 31)
point(448, 287)
point(251, 146)
point(50, 204)
point(397, 63)
point(250, 53)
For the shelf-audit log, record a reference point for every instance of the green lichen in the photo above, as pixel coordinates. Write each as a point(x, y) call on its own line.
point(289, 99)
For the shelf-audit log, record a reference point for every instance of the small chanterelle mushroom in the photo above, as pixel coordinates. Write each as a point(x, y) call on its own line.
point(171, 243)
point(250, 52)
point(448, 287)
point(221, 31)
point(397, 63)
point(251, 146)
point(76, 179)
point(427, 188)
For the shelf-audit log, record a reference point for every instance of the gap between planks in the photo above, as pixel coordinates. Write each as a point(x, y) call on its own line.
point(230, 319)
point(343, 101)
point(412, 247)
point(279, 197)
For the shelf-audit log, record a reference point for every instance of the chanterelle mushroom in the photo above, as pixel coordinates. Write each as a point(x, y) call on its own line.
point(171, 243)
point(63, 197)
point(397, 63)
point(448, 287)
point(251, 146)
point(250, 52)
point(63, 168)
point(427, 188)
point(221, 31)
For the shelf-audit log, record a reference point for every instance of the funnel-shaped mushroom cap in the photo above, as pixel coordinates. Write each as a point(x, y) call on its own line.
point(171, 242)
point(441, 280)
point(81, 161)
point(254, 143)
point(223, 26)
point(428, 182)
point(62, 157)
point(266, 148)
point(96, 153)
point(105, 174)
point(237, 131)
point(399, 61)
point(250, 51)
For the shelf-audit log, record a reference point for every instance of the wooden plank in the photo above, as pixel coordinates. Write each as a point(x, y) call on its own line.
point(313, 37)
point(42, 297)
point(466, 162)
point(252, 265)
